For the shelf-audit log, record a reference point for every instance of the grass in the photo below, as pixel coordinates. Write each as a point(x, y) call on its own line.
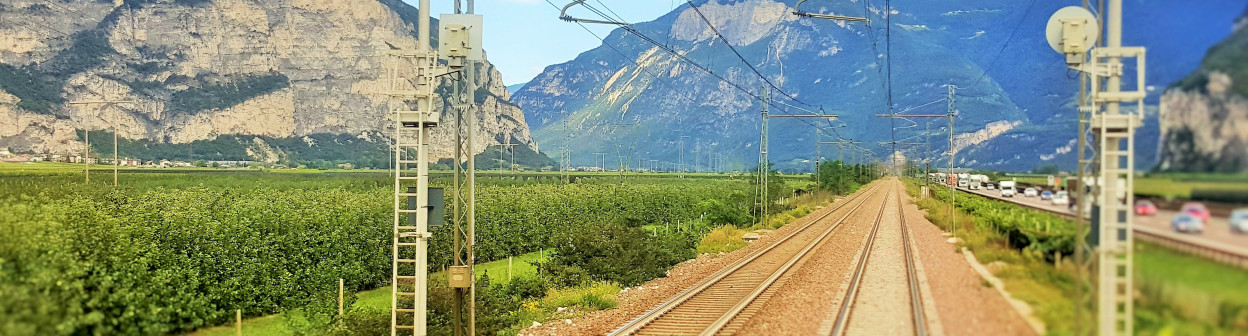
point(379, 298)
point(1191, 294)
point(726, 238)
point(1177, 294)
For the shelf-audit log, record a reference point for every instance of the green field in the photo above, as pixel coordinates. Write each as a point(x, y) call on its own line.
point(174, 251)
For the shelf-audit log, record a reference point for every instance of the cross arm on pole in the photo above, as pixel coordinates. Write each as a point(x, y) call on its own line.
point(824, 116)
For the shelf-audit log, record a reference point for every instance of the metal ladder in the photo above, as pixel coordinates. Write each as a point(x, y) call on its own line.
point(1116, 257)
point(410, 85)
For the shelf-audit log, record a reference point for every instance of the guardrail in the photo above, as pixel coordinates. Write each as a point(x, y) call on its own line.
point(1214, 251)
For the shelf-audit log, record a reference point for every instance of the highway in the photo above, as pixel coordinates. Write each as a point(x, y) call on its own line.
point(1217, 234)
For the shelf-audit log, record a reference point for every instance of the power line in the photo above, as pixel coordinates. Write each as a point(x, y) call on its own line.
point(734, 51)
point(1003, 45)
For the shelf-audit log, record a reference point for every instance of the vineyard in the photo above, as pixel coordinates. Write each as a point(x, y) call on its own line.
point(1022, 227)
point(169, 253)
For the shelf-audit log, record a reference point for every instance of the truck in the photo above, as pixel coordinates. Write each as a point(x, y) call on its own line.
point(977, 182)
point(964, 180)
point(1008, 189)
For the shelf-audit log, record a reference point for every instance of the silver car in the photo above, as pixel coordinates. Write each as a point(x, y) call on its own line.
point(1239, 221)
point(1184, 222)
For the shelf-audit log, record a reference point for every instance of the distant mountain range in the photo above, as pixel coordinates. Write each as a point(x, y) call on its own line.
point(264, 80)
point(515, 87)
point(1015, 97)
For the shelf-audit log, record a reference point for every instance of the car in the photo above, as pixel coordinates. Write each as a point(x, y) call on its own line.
point(1061, 198)
point(1239, 220)
point(1196, 209)
point(1145, 208)
point(1186, 222)
point(1046, 195)
point(1030, 192)
point(990, 186)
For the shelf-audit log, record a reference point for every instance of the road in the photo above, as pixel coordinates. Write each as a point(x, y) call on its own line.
point(1217, 232)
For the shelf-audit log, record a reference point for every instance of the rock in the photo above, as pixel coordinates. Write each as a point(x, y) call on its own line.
point(561, 309)
point(535, 324)
point(997, 266)
point(323, 54)
point(954, 240)
point(567, 321)
point(750, 237)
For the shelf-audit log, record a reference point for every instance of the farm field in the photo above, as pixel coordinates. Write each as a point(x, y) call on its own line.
point(173, 252)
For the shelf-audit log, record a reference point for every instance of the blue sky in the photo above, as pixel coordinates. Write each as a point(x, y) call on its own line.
point(522, 37)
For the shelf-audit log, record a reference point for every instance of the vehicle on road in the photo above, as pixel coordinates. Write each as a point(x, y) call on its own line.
point(1061, 198)
point(1196, 209)
point(1185, 222)
point(1007, 189)
point(990, 186)
point(1046, 195)
point(1030, 192)
point(1239, 220)
point(1145, 208)
point(964, 180)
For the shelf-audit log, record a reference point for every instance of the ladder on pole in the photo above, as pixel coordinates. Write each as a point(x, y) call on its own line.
point(410, 93)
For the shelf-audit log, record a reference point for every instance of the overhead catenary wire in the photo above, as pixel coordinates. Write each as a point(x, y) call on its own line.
point(682, 56)
point(983, 73)
point(742, 58)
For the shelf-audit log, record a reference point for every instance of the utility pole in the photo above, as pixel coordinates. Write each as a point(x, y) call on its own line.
point(410, 79)
point(460, 40)
point(681, 167)
point(951, 99)
point(86, 133)
point(1073, 31)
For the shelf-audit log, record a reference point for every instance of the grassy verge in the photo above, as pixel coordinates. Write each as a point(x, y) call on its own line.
point(278, 324)
point(1177, 294)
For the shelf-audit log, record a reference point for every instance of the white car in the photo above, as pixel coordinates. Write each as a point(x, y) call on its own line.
point(1239, 221)
point(1061, 198)
point(1030, 192)
point(990, 186)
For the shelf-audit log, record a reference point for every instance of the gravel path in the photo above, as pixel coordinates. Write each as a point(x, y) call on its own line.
point(967, 307)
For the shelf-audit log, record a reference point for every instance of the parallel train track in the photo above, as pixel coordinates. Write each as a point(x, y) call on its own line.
point(721, 303)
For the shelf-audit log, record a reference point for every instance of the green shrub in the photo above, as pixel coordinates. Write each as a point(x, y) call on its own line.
point(614, 253)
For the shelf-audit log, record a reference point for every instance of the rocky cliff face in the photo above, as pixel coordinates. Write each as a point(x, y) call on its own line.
point(1204, 131)
point(197, 70)
point(1204, 117)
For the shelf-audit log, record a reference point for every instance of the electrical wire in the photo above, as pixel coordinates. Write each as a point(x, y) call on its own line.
point(734, 51)
point(992, 64)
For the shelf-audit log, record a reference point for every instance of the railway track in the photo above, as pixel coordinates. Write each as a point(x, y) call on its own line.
point(881, 283)
point(724, 301)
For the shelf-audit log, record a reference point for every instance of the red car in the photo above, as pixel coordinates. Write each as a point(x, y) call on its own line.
point(1196, 209)
point(1145, 208)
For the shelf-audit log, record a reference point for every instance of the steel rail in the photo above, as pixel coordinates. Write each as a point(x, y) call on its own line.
point(645, 320)
point(916, 299)
point(727, 317)
point(842, 317)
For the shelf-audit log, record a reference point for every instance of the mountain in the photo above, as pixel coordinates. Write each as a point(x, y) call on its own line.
point(268, 80)
point(515, 87)
point(1203, 116)
point(1015, 97)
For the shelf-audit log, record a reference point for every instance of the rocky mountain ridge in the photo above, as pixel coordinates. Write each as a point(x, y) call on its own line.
point(197, 70)
point(1015, 97)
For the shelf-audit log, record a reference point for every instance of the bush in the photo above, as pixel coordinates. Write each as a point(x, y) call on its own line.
point(614, 253)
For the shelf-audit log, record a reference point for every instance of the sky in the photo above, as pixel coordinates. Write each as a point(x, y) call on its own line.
point(522, 37)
